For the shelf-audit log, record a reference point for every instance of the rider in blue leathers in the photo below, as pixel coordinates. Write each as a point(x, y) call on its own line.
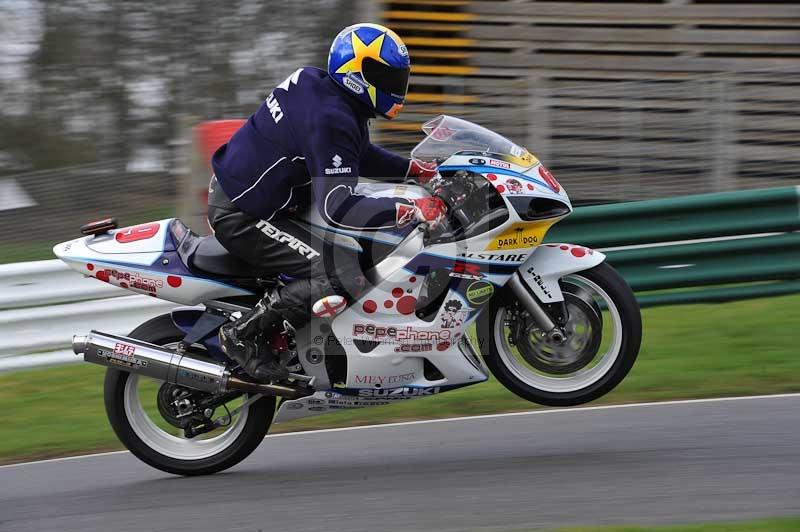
point(309, 142)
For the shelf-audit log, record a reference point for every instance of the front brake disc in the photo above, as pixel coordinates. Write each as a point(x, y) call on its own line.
point(583, 337)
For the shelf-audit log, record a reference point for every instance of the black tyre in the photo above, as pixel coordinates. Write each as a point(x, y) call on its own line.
point(603, 338)
point(150, 439)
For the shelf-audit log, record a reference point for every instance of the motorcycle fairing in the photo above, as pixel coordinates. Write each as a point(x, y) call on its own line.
point(152, 237)
point(550, 262)
point(537, 180)
point(148, 266)
point(385, 320)
point(335, 399)
point(388, 344)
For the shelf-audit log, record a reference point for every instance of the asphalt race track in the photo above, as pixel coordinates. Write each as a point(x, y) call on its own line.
point(673, 462)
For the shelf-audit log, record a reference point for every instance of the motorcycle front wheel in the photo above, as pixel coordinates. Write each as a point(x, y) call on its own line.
point(141, 413)
point(600, 345)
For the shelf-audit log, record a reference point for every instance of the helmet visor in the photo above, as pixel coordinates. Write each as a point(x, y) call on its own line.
point(385, 78)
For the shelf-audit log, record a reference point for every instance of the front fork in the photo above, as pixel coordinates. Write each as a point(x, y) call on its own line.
point(551, 318)
point(536, 284)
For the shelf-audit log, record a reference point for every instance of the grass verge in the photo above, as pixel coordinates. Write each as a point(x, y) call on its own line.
point(742, 348)
point(767, 525)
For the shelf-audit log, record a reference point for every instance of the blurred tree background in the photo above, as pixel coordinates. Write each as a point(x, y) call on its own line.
point(100, 80)
point(97, 97)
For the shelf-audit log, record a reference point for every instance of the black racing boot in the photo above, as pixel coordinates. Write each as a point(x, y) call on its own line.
point(260, 340)
point(247, 341)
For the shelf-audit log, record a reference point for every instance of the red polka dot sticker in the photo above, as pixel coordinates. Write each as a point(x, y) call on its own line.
point(403, 300)
point(174, 281)
point(576, 251)
point(406, 304)
point(369, 306)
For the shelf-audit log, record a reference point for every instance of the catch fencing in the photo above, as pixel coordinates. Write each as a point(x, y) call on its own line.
point(610, 141)
point(625, 100)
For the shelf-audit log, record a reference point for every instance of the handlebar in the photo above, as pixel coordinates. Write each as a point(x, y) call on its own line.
point(454, 190)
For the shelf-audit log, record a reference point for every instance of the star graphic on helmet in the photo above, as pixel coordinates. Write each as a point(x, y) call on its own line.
point(362, 51)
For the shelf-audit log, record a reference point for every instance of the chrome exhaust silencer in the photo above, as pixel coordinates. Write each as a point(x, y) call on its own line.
point(171, 366)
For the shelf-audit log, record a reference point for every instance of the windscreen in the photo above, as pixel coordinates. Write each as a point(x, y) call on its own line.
point(446, 135)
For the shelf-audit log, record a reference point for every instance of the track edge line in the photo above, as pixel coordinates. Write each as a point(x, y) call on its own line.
point(675, 402)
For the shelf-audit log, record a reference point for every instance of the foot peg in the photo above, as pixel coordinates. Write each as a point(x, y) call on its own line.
point(308, 380)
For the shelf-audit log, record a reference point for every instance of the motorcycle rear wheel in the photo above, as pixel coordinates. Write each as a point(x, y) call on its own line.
point(157, 447)
point(603, 340)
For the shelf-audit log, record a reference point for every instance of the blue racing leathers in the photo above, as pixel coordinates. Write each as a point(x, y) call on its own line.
point(309, 135)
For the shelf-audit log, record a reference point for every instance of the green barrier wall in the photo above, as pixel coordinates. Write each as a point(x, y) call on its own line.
point(660, 261)
point(682, 218)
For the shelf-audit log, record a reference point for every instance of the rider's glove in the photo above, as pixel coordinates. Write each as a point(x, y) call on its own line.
point(431, 210)
point(421, 170)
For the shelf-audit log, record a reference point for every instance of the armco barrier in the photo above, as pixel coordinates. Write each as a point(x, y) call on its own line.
point(748, 259)
point(41, 329)
point(47, 282)
point(706, 241)
point(43, 303)
point(683, 218)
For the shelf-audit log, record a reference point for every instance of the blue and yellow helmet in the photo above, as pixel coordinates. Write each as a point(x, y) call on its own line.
point(371, 62)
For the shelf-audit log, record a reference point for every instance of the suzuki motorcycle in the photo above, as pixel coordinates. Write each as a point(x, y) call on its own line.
point(553, 323)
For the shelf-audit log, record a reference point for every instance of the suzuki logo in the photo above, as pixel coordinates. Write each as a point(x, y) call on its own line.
point(337, 167)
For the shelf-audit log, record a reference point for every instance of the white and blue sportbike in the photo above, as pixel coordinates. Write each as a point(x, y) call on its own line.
point(553, 323)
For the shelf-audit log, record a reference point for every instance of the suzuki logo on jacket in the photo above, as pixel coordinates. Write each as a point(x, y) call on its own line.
point(274, 108)
point(337, 167)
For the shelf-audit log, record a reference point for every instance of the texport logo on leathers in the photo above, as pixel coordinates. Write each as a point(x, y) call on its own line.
point(285, 238)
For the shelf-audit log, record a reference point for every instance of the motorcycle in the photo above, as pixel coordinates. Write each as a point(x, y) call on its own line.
point(554, 323)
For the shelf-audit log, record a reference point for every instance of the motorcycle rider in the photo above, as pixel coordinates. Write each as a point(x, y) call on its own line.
point(310, 138)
